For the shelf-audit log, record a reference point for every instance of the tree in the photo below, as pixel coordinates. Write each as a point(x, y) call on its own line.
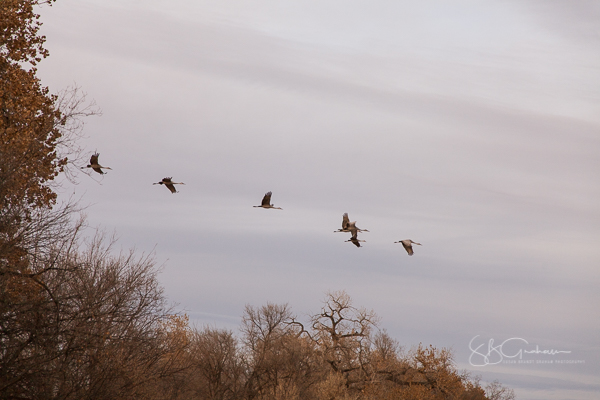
point(280, 363)
point(217, 367)
point(29, 119)
point(38, 131)
point(495, 391)
point(343, 334)
point(94, 327)
point(75, 321)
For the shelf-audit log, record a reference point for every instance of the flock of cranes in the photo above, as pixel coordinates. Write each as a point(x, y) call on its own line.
point(347, 225)
point(351, 227)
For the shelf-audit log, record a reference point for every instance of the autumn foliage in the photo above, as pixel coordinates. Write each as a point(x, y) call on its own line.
point(339, 353)
point(81, 321)
point(29, 123)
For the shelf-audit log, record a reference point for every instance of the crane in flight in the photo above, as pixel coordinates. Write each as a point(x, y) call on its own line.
point(354, 240)
point(407, 243)
point(348, 226)
point(168, 182)
point(266, 202)
point(94, 164)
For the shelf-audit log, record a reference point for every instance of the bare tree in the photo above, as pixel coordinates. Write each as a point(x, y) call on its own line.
point(280, 362)
point(217, 370)
point(496, 391)
point(85, 324)
point(74, 108)
point(343, 335)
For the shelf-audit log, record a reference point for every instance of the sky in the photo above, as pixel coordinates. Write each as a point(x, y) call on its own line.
point(470, 127)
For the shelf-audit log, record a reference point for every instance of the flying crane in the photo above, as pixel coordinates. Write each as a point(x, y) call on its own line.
point(94, 164)
point(168, 182)
point(407, 243)
point(266, 202)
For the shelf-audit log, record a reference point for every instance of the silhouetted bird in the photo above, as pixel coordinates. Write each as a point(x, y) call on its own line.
point(354, 240)
point(169, 184)
point(407, 243)
point(345, 222)
point(266, 202)
point(348, 226)
point(94, 164)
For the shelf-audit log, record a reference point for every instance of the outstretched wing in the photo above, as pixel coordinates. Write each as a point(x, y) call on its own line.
point(171, 187)
point(94, 160)
point(98, 170)
point(354, 239)
point(266, 201)
point(407, 247)
point(345, 221)
point(166, 181)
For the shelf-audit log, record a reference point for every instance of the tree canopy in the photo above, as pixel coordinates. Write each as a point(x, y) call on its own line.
point(30, 121)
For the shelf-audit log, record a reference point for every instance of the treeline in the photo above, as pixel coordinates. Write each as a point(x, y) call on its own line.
point(78, 322)
point(81, 321)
